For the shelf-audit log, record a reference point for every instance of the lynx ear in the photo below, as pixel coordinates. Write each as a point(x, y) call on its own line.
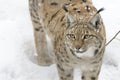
point(96, 20)
point(65, 7)
point(69, 19)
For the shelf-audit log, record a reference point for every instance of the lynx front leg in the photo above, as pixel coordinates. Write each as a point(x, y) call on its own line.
point(44, 58)
point(64, 73)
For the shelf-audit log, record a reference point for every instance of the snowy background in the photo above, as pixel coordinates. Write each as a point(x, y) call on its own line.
point(17, 60)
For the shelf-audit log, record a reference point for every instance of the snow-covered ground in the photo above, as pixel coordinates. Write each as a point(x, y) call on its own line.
point(17, 60)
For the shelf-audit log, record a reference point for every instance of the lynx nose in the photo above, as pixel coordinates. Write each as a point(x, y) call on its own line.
point(78, 47)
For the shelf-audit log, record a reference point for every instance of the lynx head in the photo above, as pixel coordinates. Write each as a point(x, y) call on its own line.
point(84, 34)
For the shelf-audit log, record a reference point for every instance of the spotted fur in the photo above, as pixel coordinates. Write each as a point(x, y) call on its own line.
point(76, 32)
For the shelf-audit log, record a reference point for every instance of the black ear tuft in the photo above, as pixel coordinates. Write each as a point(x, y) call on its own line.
point(65, 7)
point(102, 9)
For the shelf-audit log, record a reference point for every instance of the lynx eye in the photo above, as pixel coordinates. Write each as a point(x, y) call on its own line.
point(71, 36)
point(87, 37)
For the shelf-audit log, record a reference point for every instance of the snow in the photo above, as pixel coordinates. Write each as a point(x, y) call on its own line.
point(17, 59)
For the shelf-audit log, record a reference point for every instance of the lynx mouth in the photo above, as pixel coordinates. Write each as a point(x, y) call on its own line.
point(82, 51)
point(78, 51)
point(85, 52)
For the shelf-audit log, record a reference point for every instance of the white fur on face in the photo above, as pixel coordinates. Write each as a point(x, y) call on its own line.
point(89, 53)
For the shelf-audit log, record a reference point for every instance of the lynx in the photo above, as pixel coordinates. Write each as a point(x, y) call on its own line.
point(77, 34)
